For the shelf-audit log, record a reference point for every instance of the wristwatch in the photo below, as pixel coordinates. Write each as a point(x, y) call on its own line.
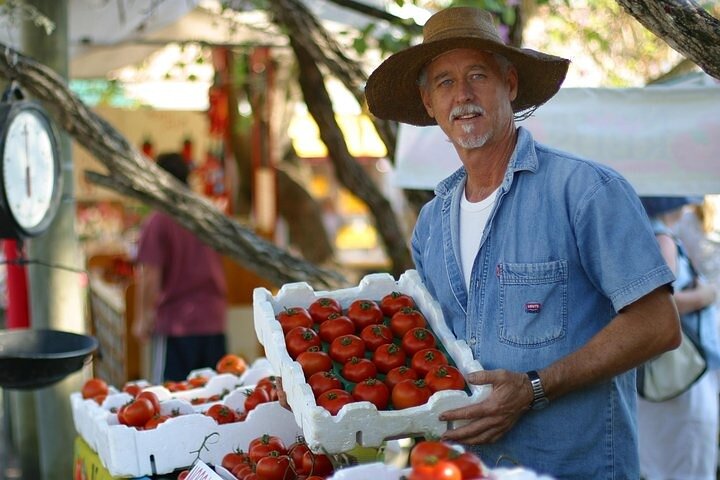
point(539, 400)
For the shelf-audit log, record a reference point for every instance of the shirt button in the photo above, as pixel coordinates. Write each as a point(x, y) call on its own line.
point(473, 340)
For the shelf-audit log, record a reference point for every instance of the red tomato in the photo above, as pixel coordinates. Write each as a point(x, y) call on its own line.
point(299, 339)
point(314, 360)
point(254, 397)
point(292, 317)
point(394, 301)
point(333, 400)
point(296, 451)
point(262, 446)
point(242, 471)
point(406, 319)
point(427, 358)
point(137, 412)
point(222, 414)
point(436, 470)
point(364, 313)
point(183, 475)
point(345, 347)
point(94, 387)
point(153, 399)
point(275, 467)
point(324, 381)
point(322, 307)
point(155, 420)
point(374, 391)
point(424, 450)
point(269, 384)
point(99, 399)
point(335, 326)
point(317, 464)
point(410, 393)
point(398, 374)
point(376, 335)
point(470, 465)
point(197, 382)
point(417, 339)
point(233, 459)
point(388, 356)
point(358, 369)
point(231, 363)
point(444, 377)
point(132, 388)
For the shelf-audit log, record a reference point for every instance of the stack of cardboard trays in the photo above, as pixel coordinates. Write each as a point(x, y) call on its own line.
point(187, 437)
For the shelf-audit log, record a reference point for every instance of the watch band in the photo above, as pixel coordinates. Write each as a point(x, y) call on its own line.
point(539, 400)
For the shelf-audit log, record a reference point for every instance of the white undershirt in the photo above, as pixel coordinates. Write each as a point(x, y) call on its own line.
point(473, 218)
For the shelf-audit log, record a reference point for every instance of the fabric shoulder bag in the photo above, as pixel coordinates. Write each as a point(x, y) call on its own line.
point(673, 373)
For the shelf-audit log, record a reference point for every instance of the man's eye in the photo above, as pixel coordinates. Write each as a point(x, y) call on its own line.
point(445, 83)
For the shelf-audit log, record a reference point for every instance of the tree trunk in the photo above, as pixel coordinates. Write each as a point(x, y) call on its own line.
point(348, 171)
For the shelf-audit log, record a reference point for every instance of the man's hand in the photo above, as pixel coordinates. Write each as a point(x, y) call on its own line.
point(143, 326)
point(282, 396)
point(491, 418)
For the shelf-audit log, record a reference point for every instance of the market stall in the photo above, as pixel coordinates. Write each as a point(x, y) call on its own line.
point(346, 423)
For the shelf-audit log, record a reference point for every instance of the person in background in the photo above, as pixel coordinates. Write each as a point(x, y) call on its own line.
point(180, 292)
point(543, 262)
point(678, 437)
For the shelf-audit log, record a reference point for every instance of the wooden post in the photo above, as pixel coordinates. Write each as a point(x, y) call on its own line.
point(264, 152)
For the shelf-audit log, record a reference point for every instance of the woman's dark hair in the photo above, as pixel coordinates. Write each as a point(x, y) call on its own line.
point(175, 165)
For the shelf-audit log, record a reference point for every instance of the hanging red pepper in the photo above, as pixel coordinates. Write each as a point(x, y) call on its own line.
point(147, 148)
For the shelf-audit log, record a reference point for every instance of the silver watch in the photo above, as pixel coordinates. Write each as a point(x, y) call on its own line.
point(539, 400)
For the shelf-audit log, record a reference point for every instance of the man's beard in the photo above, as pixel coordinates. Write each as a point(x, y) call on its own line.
point(469, 140)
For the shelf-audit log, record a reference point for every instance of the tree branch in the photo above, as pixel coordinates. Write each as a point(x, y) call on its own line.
point(684, 25)
point(133, 175)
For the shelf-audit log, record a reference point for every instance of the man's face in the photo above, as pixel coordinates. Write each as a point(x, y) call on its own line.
point(469, 95)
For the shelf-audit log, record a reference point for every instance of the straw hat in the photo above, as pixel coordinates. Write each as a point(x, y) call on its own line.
point(392, 92)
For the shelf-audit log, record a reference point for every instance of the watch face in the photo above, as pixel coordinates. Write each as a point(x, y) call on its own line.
point(29, 168)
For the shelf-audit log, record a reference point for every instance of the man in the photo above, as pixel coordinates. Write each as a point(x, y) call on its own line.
point(544, 263)
point(180, 292)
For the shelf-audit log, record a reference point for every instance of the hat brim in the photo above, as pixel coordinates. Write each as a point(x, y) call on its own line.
point(392, 92)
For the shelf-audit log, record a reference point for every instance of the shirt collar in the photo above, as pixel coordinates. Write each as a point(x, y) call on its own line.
point(522, 158)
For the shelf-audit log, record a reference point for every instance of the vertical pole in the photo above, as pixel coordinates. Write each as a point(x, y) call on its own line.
point(263, 156)
point(56, 294)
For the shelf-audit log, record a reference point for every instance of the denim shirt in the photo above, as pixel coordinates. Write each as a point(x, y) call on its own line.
point(567, 246)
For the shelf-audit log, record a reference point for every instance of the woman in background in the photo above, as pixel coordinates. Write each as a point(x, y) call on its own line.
point(678, 438)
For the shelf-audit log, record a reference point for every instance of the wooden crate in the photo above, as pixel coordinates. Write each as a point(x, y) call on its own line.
point(111, 313)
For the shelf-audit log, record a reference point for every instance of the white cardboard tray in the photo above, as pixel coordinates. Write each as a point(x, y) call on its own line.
point(360, 423)
point(178, 442)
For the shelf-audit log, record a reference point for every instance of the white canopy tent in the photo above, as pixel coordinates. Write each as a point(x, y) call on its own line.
point(105, 35)
point(664, 139)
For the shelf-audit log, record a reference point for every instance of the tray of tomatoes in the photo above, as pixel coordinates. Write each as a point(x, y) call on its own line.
point(364, 364)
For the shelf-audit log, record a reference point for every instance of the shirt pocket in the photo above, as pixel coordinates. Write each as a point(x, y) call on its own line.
point(533, 302)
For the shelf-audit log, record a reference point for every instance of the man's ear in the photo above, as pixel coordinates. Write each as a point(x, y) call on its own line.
point(426, 101)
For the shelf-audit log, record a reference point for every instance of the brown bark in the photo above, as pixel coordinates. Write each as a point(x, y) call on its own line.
point(348, 171)
point(684, 25)
point(303, 216)
point(131, 174)
point(305, 29)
